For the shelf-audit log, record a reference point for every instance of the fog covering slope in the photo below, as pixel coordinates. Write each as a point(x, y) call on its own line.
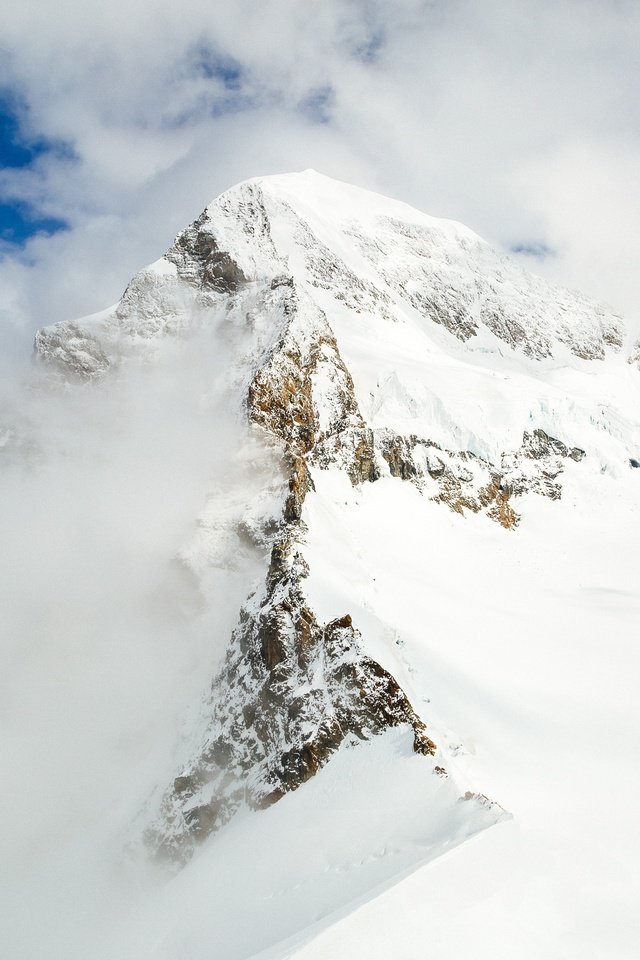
point(124, 565)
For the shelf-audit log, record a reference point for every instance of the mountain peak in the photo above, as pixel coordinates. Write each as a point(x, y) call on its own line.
point(414, 466)
point(356, 329)
point(409, 298)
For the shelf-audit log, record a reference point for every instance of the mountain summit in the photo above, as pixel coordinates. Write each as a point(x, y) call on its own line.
point(406, 409)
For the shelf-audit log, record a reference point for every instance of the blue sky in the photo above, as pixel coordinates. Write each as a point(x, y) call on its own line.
point(19, 220)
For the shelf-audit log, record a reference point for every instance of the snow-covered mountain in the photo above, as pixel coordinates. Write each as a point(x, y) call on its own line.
point(408, 580)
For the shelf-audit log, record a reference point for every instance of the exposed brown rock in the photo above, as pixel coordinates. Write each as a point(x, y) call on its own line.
point(397, 451)
point(300, 483)
point(284, 398)
point(201, 262)
point(259, 722)
point(503, 512)
point(466, 481)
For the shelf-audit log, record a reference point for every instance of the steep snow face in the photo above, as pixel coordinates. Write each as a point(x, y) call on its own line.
point(417, 306)
point(433, 270)
point(387, 400)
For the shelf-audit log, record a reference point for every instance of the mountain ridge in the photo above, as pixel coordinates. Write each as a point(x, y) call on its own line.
point(331, 482)
point(291, 271)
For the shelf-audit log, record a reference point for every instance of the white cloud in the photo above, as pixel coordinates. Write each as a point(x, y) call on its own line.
point(518, 119)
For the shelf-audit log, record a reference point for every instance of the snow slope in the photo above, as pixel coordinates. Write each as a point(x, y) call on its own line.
point(401, 468)
point(528, 645)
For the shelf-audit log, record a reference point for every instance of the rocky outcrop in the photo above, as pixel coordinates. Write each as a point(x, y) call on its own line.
point(303, 393)
point(536, 466)
point(290, 693)
point(201, 262)
point(327, 271)
point(454, 279)
point(464, 481)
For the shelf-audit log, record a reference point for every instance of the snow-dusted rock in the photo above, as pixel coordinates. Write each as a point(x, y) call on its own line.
point(70, 349)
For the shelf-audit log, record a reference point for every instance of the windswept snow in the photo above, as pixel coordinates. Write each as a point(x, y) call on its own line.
point(526, 647)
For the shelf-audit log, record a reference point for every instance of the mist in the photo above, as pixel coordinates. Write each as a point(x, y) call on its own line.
point(108, 588)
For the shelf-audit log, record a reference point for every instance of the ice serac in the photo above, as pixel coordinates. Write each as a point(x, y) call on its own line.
point(354, 325)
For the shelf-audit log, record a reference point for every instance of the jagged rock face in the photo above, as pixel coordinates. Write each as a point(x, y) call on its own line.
point(304, 394)
point(465, 481)
point(293, 690)
point(463, 289)
point(305, 359)
point(201, 263)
